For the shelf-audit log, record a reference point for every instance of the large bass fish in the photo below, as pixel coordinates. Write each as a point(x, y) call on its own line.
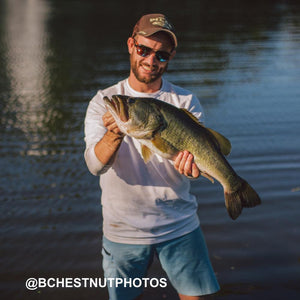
point(166, 130)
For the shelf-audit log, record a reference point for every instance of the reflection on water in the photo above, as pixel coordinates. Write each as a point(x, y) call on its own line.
point(26, 46)
point(242, 61)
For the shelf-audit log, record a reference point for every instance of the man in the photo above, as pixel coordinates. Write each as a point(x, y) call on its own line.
point(147, 208)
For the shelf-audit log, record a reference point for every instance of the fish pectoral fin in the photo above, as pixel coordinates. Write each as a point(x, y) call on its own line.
point(161, 144)
point(146, 153)
point(223, 142)
point(207, 176)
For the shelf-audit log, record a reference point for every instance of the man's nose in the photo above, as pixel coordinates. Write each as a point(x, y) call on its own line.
point(151, 59)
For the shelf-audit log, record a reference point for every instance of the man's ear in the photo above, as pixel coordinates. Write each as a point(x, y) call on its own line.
point(130, 45)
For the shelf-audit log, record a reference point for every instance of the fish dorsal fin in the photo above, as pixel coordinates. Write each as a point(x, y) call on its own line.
point(146, 153)
point(191, 116)
point(223, 142)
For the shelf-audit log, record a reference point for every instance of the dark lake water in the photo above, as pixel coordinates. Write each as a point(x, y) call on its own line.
point(241, 58)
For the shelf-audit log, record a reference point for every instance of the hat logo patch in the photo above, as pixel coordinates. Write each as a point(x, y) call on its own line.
point(161, 21)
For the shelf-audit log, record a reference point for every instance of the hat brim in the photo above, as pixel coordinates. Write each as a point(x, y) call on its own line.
point(151, 32)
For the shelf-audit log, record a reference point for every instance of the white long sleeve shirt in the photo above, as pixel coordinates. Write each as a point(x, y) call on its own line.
point(141, 203)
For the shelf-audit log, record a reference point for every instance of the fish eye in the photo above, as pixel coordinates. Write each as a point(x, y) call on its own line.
point(130, 100)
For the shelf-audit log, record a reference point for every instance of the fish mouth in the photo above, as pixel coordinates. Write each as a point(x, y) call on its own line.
point(117, 105)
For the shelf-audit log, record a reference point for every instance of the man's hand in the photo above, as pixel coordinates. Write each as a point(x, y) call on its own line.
point(111, 125)
point(184, 164)
point(108, 146)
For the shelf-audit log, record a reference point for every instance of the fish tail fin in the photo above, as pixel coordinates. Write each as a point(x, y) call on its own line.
point(245, 196)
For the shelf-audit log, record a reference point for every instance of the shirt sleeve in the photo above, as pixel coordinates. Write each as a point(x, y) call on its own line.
point(186, 99)
point(196, 109)
point(94, 131)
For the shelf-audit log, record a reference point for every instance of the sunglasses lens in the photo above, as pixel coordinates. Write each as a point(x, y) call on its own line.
point(162, 56)
point(143, 50)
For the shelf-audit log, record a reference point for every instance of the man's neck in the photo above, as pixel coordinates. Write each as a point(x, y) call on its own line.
point(144, 87)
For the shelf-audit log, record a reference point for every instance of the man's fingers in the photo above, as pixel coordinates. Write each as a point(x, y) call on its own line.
point(184, 164)
point(110, 123)
point(108, 119)
point(178, 160)
point(195, 170)
point(188, 165)
point(183, 160)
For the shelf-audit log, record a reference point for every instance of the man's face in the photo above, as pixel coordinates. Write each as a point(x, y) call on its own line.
point(149, 69)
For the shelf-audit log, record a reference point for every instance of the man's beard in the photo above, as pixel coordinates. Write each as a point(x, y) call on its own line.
point(153, 77)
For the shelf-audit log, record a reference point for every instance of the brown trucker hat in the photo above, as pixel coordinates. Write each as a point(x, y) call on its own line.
point(152, 23)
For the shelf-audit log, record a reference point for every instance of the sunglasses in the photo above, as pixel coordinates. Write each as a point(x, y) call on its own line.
point(145, 51)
